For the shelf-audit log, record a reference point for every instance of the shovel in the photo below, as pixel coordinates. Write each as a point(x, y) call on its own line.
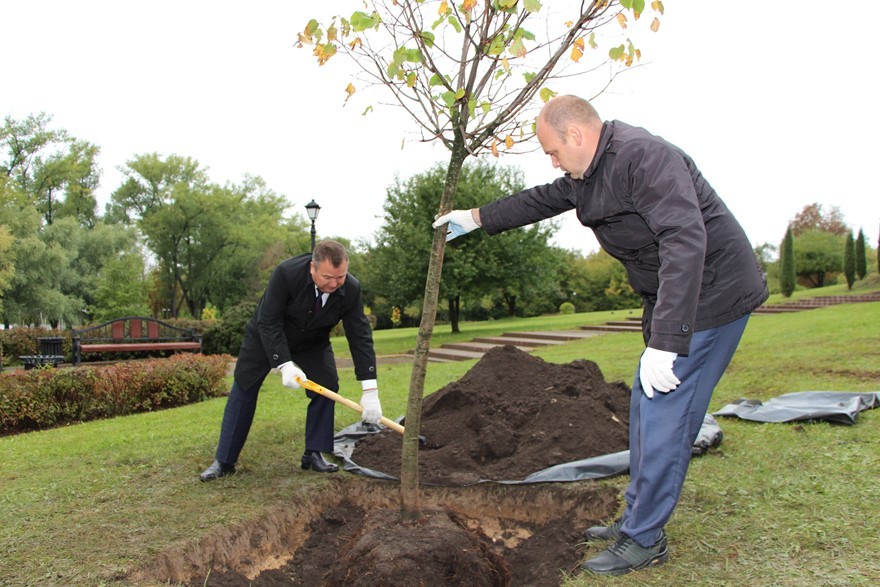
point(312, 386)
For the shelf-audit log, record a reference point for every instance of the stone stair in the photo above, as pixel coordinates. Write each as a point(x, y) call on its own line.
point(525, 341)
point(529, 341)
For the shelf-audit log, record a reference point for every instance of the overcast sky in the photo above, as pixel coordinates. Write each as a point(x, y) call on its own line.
point(777, 105)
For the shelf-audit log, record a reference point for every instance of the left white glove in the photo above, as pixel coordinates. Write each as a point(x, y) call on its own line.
point(459, 222)
point(655, 371)
point(372, 408)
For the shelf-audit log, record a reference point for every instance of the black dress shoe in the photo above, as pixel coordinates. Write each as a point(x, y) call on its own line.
point(611, 532)
point(315, 461)
point(626, 555)
point(217, 470)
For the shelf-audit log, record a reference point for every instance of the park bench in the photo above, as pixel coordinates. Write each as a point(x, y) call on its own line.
point(133, 334)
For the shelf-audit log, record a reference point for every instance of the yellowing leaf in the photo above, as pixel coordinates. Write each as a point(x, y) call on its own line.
point(621, 18)
point(505, 64)
point(546, 94)
point(468, 5)
point(444, 8)
point(495, 147)
point(508, 142)
point(411, 79)
point(331, 33)
point(577, 49)
point(655, 24)
point(657, 5)
point(349, 89)
point(355, 44)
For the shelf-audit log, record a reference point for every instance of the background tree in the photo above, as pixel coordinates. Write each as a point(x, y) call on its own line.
point(202, 235)
point(818, 253)
point(861, 258)
point(475, 268)
point(813, 217)
point(787, 269)
point(849, 260)
point(7, 269)
point(469, 75)
point(597, 282)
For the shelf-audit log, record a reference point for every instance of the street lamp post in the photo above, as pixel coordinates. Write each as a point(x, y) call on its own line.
point(312, 209)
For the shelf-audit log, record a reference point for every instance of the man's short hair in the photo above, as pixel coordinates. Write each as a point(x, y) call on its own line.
point(329, 250)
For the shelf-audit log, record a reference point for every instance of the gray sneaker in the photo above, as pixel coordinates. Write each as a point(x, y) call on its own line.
point(596, 533)
point(626, 555)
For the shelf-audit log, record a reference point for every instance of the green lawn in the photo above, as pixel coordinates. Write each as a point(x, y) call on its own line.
point(776, 504)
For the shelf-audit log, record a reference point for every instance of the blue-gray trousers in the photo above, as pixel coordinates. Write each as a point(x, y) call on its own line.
point(663, 429)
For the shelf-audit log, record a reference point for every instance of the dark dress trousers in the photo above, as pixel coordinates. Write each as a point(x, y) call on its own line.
point(286, 327)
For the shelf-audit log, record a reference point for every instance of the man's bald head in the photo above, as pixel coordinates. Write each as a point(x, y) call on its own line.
point(563, 111)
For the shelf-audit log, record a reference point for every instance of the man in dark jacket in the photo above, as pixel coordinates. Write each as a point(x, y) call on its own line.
point(685, 254)
point(304, 299)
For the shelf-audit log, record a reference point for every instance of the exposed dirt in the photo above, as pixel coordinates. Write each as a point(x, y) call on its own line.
point(511, 415)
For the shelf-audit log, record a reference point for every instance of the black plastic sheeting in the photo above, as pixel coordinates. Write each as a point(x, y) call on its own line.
point(593, 468)
point(839, 407)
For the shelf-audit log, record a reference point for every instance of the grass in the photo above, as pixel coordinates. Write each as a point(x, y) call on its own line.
point(776, 504)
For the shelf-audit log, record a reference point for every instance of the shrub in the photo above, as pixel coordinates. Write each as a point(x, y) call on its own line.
point(226, 335)
point(566, 308)
point(46, 397)
point(17, 342)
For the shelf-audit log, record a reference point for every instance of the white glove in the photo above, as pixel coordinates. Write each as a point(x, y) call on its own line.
point(655, 371)
point(459, 222)
point(372, 408)
point(289, 373)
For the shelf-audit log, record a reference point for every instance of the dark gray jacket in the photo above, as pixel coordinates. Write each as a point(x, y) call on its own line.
point(284, 324)
point(651, 209)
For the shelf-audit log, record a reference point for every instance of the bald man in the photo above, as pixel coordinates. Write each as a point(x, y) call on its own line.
point(685, 254)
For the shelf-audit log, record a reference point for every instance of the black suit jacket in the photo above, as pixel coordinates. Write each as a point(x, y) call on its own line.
point(284, 324)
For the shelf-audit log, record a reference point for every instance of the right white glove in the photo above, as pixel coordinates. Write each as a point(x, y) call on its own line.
point(289, 373)
point(459, 222)
point(655, 371)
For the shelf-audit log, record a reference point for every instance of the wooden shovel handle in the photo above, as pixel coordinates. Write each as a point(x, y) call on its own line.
point(312, 386)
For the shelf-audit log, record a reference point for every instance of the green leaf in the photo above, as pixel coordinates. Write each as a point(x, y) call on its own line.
point(532, 5)
point(413, 56)
point(529, 76)
point(497, 46)
point(427, 38)
point(367, 110)
point(472, 106)
point(546, 94)
point(361, 21)
point(312, 26)
point(638, 6)
point(435, 80)
point(454, 22)
point(627, 4)
point(616, 53)
point(459, 94)
point(448, 99)
point(486, 106)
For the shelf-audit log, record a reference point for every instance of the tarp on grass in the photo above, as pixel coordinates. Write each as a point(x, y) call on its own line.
point(838, 407)
point(593, 468)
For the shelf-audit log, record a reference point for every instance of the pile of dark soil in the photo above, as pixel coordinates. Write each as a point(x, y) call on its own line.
point(511, 415)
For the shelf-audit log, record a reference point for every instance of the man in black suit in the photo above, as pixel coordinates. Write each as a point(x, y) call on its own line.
point(305, 298)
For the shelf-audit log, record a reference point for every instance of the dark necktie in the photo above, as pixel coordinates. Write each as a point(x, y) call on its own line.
point(318, 304)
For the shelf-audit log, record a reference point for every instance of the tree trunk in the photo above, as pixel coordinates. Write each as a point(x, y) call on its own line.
point(410, 506)
point(454, 312)
point(511, 304)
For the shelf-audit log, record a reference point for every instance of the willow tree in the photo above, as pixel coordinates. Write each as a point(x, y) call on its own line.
point(472, 75)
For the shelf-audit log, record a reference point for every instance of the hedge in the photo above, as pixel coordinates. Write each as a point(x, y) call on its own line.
point(47, 397)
